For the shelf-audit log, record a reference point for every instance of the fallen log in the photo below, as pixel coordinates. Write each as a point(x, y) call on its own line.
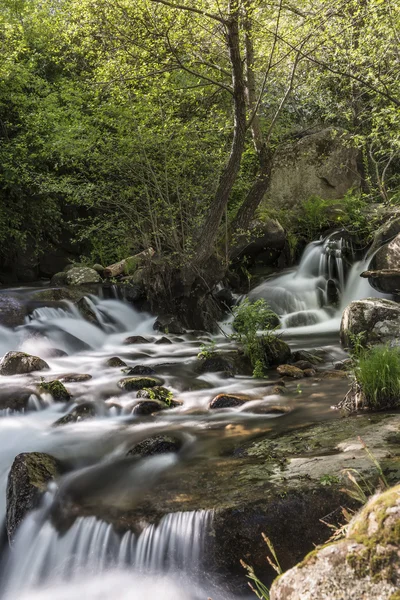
point(129, 264)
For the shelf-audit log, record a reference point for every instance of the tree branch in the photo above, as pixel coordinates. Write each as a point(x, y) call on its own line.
point(198, 11)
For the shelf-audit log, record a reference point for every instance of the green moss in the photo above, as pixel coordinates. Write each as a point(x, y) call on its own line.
point(56, 389)
point(138, 383)
point(40, 468)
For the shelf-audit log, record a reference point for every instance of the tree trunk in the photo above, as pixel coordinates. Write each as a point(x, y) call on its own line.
point(209, 230)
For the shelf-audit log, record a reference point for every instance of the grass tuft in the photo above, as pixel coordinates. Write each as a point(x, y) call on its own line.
point(377, 372)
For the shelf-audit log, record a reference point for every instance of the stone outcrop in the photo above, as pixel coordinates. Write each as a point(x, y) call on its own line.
point(321, 164)
point(377, 320)
point(366, 564)
point(19, 363)
point(384, 270)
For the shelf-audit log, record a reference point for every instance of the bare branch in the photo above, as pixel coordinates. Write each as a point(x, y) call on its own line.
point(198, 11)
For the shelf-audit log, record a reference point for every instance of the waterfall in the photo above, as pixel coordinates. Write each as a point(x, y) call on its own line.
point(42, 556)
point(313, 297)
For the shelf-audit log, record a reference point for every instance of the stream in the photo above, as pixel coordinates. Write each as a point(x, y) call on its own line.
point(91, 558)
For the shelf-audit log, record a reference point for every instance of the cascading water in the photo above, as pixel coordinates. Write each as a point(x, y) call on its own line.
point(313, 297)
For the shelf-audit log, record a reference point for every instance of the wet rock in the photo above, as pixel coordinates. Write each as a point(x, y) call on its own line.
point(303, 364)
point(15, 399)
point(228, 401)
point(386, 281)
point(276, 351)
point(139, 370)
point(115, 362)
point(99, 269)
point(75, 377)
point(225, 298)
point(290, 371)
point(130, 384)
point(58, 294)
point(56, 389)
point(12, 311)
point(344, 365)
point(169, 324)
point(260, 237)
point(373, 321)
point(215, 364)
point(158, 393)
point(27, 481)
point(54, 353)
point(82, 412)
point(335, 375)
point(311, 356)
point(148, 407)
point(301, 319)
point(160, 444)
point(135, 339)
point(163, 340)
point(366, 564)
point(19, 363)
point(86, 308)
point(386, 233)
point(310, 372)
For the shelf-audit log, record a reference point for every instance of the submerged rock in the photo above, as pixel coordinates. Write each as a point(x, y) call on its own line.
point(115, 362)
point(139, 370)
point(135, 384)
point(57, 390)
point(87, 311)
point(163, 340)
point(366, 564)
point(228, 401)
point(290, 371)
point(75, 377)
point(19, 363)
point(82, 412)
point(15, 400)
point(160, 444)
point(135, 339)
point(27, 481)
point(371, 321)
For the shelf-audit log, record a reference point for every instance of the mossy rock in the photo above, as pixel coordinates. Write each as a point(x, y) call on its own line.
point(28, 479)
point(160, 444)
point(57, 390)
point(19, 363)
point(157, 392)
point(134, 384)
point(148, 407)
point(139, 370)
point(290, 371)
point(82, 412)
point(276, 351)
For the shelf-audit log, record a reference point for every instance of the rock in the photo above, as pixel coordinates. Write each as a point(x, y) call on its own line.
point(160, 393)
point(301, 318)
point(15, 399)
point(82, 412)
point(385, 234)
point(303, 364)
point(58, 294)
point(344, 365)
point(384, 269)
point(168, 324)
point(76, 276)
point(311, 357)
point(99, 269)
point(386, 281)
point(130, 384)
point(321, 164)
point(225, 298)
point(87, 310)
point(309, 372)
point(228, 401)
point(139, 370)
point(337, 374)
point(27, 481)
point(148, 407)
point(215, 364)
point(159, 444)
point(57, 390)
point(163, 340)
point(74, 377)
point(54, 353)
point(12, 311)
point(366, 564)
point(115, 362)
point(19, 363)
point(261, 236)
point(276, 351)
point(290, 371)
point(376, 320)
point(135, 339)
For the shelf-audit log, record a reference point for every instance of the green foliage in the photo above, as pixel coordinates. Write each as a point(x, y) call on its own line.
point(329, 480)
point(249, 319)
point(255, 584)
point(377, 372)
point(358, 487)
point(207, 350)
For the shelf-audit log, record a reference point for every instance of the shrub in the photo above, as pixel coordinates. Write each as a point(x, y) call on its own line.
point(377, 372)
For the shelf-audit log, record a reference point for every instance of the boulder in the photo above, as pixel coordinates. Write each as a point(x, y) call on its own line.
point(27, 481)
point(276, 351)
point(76, 276)
point(19, 363)
point(228, 401)
point(290, 371)
point(115, 362)
point(169, 324)
point(12, 311)
point(321, 164)
point(130, 384)
point(75, 377)
point(82, 412)
point(139, 370)
point(373, 320)
point(15, 399)
point(159, 444)
point(216, 363)
point(386, 233)
point(135, 339)
point(157, 392)
point(386, 281)
point(260, 237)
point(384, 269)
point(86, 308)
point(163, 340)
point(366, 564)
point(56, 389)
point(148, 407)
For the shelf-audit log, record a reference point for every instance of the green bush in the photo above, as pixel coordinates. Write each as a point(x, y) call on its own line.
point(377, 372)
